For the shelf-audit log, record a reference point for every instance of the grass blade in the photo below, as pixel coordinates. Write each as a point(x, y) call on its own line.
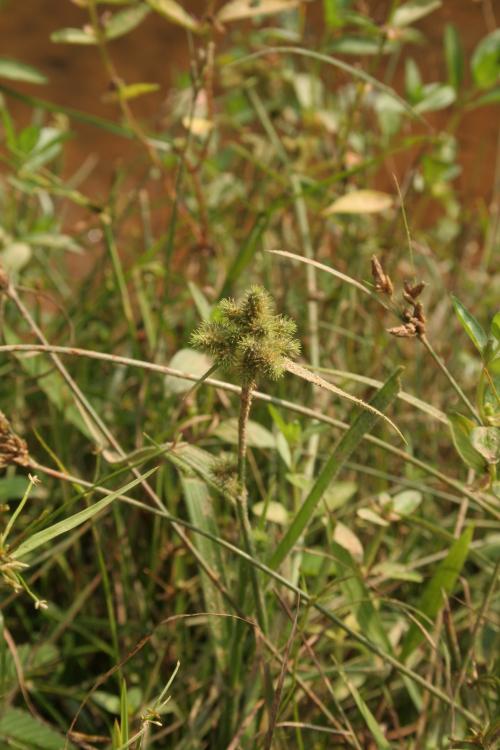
point(363, 423)
point(443, 580)
point(46, 535)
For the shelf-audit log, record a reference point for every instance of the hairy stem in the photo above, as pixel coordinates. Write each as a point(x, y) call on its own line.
point(242, 500)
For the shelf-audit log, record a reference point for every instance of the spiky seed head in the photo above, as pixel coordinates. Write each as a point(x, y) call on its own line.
point(248, 337)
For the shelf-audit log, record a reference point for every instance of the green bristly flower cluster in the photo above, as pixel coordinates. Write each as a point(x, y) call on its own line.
point(248, 338)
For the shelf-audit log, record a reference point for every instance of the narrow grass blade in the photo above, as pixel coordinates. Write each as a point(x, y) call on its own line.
point(323, 267)
point(245, 254)
point(363, 423)
point(355, 592)
point(311, 377)
point(201, 514)
point(42, 537)
point(368, 717)
point(443, 580)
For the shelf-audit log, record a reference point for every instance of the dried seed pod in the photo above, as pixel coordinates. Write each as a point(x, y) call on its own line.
point(413, 291)
point(13, 450)
point(383, 283)
point(407, 331)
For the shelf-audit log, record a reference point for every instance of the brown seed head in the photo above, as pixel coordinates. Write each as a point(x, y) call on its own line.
point(13, 450)
point(383, 283)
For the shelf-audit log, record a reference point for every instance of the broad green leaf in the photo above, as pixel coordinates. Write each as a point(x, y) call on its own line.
point(257, 435)
point(118, 25)
point(124, 21)
point(435, 96)
point(53, 241)
point(18, 71)
point(406, 502)
point(275, 512)
point(485, 61)
point(443, 581)
point(461, 431)
point(454, 56)
point(46, 535)
point(470, 325)
point(486, 440)
point(363, 423)
point(19, 726)
point(174, 12)
point(413, 11)
point(360, 202)
point(192, 363)
point(238, 10)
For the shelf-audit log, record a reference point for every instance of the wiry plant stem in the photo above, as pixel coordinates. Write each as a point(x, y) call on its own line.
point(242, 499)
point(437, 359)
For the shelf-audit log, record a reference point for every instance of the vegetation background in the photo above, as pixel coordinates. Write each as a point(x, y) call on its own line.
point(215, 541)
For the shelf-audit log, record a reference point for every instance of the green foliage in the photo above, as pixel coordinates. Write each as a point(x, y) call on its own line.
point(194, 562)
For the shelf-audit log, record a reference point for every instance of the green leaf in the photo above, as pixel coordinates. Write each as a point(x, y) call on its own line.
point(413, 11)
point(435, 96)
point(19, 726)
point(358, 596)
point(124, 21)
point(413, 81)
point(485, 62)
point(18, 71)
point(369, 719)
point(461, 431)
point(358, 45)
point(192, 363)
point(118, 25)
point(363, 423)
point(470, 325)
point(74, 36)
point(443, 580)
point(175, 13)
point(238, 10)
point(495, 326)
point(200, 507)
point(46, 535)
point(486, 440)
point(454, 56)
point(257, 435)
point(406, 502)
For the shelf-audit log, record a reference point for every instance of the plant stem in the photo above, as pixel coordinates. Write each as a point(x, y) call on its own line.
point(437, 359)
point(242, 500)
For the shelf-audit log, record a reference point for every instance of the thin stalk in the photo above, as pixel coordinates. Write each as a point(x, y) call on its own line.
point(242, 500)
point(437, 359)
point(360, 638)
point(455, 484)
